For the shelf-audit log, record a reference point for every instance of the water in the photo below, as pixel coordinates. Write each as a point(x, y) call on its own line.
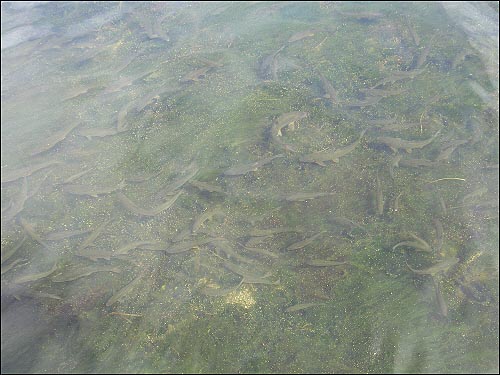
point(387, 118)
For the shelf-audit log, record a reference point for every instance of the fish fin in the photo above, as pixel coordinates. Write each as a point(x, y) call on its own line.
point(279, 133)
point(320, 163)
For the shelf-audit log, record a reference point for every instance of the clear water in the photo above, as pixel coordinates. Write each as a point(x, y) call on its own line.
point(147, 100)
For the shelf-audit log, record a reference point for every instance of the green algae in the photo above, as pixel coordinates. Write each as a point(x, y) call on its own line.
point(377, 316)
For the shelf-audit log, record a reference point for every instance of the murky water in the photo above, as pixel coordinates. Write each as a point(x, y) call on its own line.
point(249, 187)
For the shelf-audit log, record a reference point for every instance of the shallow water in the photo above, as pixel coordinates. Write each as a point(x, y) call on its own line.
point(148, 227)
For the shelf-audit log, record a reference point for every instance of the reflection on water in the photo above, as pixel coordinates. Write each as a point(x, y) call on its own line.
point(249, 187)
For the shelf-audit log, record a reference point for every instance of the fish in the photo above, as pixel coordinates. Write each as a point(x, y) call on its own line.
point(449, 148)
point(371, 100)
point(439, 235)
point(361, 16)
point(260, 251)
point(179, 182)
point(77, 189)
point(76, 176)
point(226, 247)
point(346, 223)
point(207, 215)
point(243, 272)
point(399, 76)
point(302, 306)
point(57, 138)
point(17, 204)
point(304, 243)
point(145, 100)
point(61, 235)
point(394, 163)
point(384, 94)
point(7, 254)
point(134, 245)
point(330, 92)
point(259, 280)
point(324, 263)
point(124, 291)
point(76, 92)
point(94, 255)
point(379, 198)
point(442, 204)
point(415, 244)
point(302, 197)
point(488, 98)
point(321, 156)
point(92, 237)
point(423, 56)
point(416, 163)
point(443, 307)
point(286, 119)
point(396, 202)
point(269, 232)
point(196, 75)
point(397, 143)
point(15, 175)
point(460, 57)
point(251, 167)
point(71, 276)
point(6, 207)
point(204, 186)
point(35, 277)
point(477, 193)
point(413, 33)
point(121, 124)
point(143, 177)
point(418, 244)
point(300, 35)
point(100, 132)
point(131, 206)
point(476, 128)
point(124, 81)
point(218, 292)
point(268, 64)
point(11, 265)
point(211, 63)
point(31, 232)
point(181, 247)
point(442, 266)
point(152, 246)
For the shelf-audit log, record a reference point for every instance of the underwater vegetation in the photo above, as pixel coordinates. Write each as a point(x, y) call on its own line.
point(249, 187)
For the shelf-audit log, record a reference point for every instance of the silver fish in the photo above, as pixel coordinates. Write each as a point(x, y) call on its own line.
point(51, 142)
point(252, 167)
point(304, 243)
point(397, 143)
point(321, 156)
point(35, 277)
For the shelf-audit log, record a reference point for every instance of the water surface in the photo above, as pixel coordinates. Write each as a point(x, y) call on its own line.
point(249, 187)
